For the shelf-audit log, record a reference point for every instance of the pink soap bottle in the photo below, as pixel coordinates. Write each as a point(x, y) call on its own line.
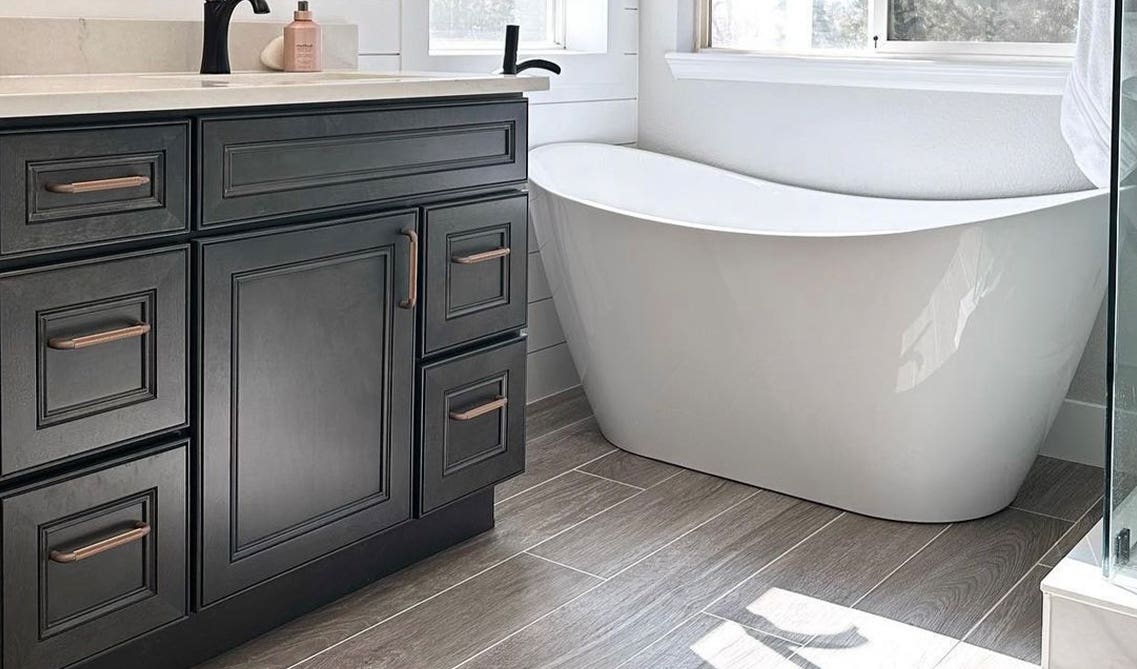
point(303, 50)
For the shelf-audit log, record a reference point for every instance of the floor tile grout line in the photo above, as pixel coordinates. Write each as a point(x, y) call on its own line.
point(771, 563)
point(1065, 534)
point(735, 622)
point(605, 510)
point(1044, 515)
point(557, 430)
point(858, 600)
point(605, 478)
point(997, 604)
point(732, 589)
point(465, 580)
point(551, 478)
point(892, 573)
point(566, 566)
point(402, 611)
point(610, 578)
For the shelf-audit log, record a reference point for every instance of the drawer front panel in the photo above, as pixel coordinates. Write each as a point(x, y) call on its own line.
point(477, 261)
point(91, 354)
point(473, 423)
point(258, 168)
point(74, 188)
point(307, 405)
point(94, 561)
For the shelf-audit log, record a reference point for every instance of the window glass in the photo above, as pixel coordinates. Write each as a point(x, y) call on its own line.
point(465, 24)
point(762, 25)
point(1051, 21)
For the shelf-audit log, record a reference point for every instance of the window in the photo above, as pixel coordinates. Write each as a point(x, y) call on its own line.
point(479, 25)
point(949, 27)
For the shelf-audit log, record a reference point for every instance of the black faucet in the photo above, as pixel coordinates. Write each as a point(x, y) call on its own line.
point(215, 55)
point(511, 66)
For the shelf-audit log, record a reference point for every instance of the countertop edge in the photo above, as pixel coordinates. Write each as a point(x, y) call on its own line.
point(84, 103)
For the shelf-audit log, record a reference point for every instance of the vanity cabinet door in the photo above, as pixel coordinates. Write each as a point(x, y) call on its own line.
point(307, 354)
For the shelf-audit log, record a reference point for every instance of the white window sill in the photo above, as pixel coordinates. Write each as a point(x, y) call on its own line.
point(995, 75)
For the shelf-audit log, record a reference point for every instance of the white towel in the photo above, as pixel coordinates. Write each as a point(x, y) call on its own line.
point(1087, 107)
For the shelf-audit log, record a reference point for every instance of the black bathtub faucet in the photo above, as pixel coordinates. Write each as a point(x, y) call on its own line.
point(218, 13)
point(511, 66)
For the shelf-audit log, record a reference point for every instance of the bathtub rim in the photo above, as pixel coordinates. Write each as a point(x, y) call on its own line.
point(1031, 203)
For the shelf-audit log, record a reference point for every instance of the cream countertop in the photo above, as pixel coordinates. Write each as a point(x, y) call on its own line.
point(65, 95)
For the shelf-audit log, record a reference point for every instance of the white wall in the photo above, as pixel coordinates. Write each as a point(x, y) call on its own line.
point(595, 100)
point(889, 143)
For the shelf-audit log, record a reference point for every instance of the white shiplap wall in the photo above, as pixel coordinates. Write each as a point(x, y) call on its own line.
point(595, 100)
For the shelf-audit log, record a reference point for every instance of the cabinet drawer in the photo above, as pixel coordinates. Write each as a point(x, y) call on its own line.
point(261, 167)
point(473, 423)
point(94, 561)
point(476, 270)
point(91, 354)
point(71, 188)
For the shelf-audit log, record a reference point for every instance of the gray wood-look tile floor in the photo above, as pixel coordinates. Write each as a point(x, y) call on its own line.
point(604, 559)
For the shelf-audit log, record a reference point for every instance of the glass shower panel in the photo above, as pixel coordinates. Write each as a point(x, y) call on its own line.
point(1121, 523)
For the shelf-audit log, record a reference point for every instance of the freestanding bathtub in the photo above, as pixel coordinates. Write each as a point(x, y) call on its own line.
point(899, 359)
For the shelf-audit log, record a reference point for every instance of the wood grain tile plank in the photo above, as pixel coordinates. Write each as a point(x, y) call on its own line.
point(615, 621)
point(553, 413)
point(1074, 535)
point(1060, 488)
point(966, 656)
point(521, 522)
point(1014, 628)
point(631, 469)
point(834, 568)
point(615, 539)
point(555, 454)
point(712, 643)
point(953, 582)
point(445, 630)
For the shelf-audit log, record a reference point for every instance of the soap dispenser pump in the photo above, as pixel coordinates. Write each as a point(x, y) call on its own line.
point(303, 48)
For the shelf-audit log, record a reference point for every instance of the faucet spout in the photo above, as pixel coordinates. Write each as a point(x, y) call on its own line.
point(215, 51)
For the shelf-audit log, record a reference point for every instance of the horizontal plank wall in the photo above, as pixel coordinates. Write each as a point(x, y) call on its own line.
point(595, 100)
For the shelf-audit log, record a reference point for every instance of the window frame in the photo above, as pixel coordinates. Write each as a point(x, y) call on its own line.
point(557, 27)
point(884, 47)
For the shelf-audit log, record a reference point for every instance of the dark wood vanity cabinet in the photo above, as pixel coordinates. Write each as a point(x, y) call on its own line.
point(229, 398)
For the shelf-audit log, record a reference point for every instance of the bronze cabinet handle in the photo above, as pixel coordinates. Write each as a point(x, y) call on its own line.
point(120, 183)
point(140, 530)
point(481, 257)
point(412, 292)
point(478, 411)
point(86, 341)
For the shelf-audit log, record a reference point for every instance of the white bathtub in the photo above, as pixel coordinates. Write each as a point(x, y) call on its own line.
point(900, 359)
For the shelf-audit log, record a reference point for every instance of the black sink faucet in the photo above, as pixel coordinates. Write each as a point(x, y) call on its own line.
point(510, 64)
point(215, 55)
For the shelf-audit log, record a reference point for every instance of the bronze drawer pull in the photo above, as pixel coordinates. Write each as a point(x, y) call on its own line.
point(86, 341)
point(140, 530)
point(488, 407)
point(412, 293)
point(119, 183)
point(481, 257)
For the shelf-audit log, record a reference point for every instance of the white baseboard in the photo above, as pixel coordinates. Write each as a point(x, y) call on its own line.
point(1078, 434)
